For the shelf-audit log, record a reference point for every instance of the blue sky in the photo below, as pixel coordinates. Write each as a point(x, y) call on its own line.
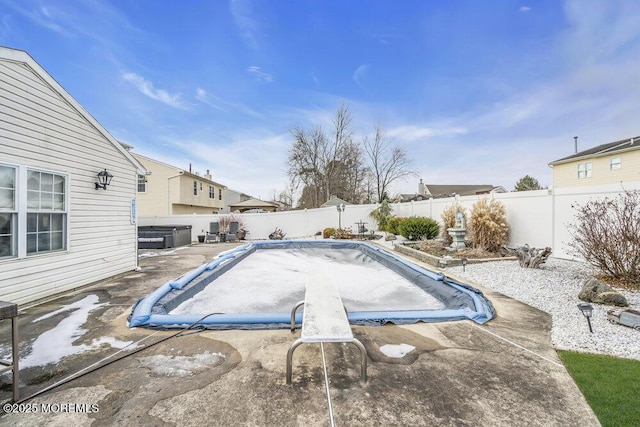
point(476, 92)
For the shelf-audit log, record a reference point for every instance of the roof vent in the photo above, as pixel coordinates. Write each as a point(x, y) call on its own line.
point(575, 143)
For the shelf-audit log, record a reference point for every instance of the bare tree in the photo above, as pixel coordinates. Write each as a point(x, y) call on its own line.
point(327, 166)
point(306, 165)
point(388, 162)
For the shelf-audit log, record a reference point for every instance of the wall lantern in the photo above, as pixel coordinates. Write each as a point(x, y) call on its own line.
point(587, 311)
point(104, 179)
point(340, 209)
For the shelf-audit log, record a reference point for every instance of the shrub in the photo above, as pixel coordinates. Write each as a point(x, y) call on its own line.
point(416, 228)
point(448, 216)
point(328, 232)
point(225, 220)
point(382, 214)
point(393, 225)
point(343, 233)
point(607, 235)
point(488, 225)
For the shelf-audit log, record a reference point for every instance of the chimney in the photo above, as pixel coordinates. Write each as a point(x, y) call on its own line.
point(575, 143)
point(207, 175)
point(189, 167)
point(421, 188)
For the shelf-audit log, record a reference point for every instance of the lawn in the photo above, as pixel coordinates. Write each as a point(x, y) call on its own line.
point(611, 386)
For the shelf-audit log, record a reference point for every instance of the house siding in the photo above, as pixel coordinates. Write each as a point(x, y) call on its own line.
point(566, 174)
point(171, 193)
point(40, 129)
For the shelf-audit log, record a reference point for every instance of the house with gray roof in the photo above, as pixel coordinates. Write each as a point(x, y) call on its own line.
point(610, 163)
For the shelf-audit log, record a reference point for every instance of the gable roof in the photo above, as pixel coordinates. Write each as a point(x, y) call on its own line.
point(23, 57)
point(334, 201)
point(602, 150)
point(462, 190)
point(254, 203)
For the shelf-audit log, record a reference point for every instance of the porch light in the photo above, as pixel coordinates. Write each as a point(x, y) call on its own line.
point(104, 179)
point(587, 311)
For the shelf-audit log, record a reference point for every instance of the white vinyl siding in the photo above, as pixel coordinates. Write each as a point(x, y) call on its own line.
point(43, 129)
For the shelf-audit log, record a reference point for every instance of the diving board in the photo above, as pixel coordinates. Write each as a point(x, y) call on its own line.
point(324, 320)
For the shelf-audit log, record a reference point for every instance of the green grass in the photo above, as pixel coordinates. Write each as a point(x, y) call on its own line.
point(611, 386)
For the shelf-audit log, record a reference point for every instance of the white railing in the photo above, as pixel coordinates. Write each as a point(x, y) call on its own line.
point(539, 218)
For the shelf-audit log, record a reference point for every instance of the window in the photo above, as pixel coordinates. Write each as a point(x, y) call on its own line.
point(46, 213)
point(8, 211)
point(584, 170)
point(142, 184)
point(212, 192)
point(219, 193)
point(195, 188)
point(33, 211)
point(614, 163)
point(200, 186)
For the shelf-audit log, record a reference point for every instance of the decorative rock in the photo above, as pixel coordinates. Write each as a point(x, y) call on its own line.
point(600, 293)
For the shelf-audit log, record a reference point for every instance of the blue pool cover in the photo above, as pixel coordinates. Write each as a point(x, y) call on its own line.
point(460, 300)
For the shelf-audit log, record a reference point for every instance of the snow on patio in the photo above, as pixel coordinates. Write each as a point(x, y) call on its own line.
point(53, 345)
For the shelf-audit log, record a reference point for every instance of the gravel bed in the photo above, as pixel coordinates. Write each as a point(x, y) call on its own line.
point(554, 288)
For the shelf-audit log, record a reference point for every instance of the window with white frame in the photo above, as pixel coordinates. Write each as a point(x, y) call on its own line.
point(8, 212)
point(212, 192)
point(614, 163)
point(584, 170)
point(195, 188)
point(46, 212)
point(33, 211)
point(142, 184)
point(219, 193)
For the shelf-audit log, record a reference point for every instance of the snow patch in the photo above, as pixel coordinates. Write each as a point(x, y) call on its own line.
point(397, 351)
point(53, 345)
point(180, 366)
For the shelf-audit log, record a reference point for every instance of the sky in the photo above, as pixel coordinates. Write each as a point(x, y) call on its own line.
point(475, 92)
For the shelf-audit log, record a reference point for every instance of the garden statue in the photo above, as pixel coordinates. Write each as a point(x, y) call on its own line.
point(458, 232)
point(460, 221)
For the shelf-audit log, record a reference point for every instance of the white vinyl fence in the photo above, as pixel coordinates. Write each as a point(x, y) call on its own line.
point(539, 218)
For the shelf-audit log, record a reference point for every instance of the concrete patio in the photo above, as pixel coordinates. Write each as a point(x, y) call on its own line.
point(503, 373)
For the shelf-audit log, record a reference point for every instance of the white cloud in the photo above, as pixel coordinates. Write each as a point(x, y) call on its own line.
point(414, 133)
point(252, 161)
point(359, 74)
point(242, 12)
point(201, 94)
point(260, 75)
point(525, 9)
point(146, 88)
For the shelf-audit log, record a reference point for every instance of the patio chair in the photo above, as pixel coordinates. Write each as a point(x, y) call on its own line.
point(233, 231)
point(214, 232)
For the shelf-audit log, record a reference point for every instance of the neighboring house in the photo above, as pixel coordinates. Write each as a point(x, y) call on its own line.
point(58, 230)
point(254, 205)
point(432, 191)
point(610, 163)
point(169, 190)
point(233, 197)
